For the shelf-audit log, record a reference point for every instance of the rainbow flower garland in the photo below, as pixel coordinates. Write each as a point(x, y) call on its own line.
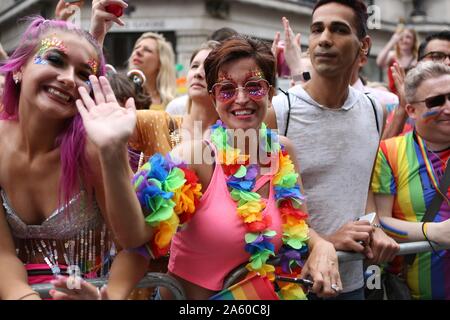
point(169, 192)
point(241, 178)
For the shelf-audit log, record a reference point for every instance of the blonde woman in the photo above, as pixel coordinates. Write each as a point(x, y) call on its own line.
point(402, 48)
point(154, 56)
point(151, 53)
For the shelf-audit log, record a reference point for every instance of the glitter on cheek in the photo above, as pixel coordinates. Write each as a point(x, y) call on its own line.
point(89, 85)
point(40, 60)
point(94, 65)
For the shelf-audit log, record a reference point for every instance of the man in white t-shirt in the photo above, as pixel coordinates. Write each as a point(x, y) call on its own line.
point(336, 131)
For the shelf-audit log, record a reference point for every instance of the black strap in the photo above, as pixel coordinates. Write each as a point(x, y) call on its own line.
point(289, 110)
point(286, 93)
point(374, 111)
point(434, 207)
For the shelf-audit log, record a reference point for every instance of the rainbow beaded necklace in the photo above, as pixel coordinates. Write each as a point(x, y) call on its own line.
point(241, 179)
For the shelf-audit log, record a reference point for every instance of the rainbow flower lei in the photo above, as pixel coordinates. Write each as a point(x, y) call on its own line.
point(241, 178)
point(169, 192)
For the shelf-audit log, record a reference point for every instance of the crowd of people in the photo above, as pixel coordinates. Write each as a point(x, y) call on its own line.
point(122, 177)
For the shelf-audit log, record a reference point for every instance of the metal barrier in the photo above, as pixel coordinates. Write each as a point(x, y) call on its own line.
point(151, 280)
point(155, 279)
point(405, 248)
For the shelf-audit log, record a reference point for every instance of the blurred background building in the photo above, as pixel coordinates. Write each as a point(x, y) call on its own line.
point(187, 23)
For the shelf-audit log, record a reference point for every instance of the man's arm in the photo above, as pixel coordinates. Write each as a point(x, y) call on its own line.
point(406, 231)
point(383, 248)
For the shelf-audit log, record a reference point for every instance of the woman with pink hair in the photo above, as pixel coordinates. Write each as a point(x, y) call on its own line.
point(51, 217)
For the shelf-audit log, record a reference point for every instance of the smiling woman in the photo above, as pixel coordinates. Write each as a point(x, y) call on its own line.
point(50, 186)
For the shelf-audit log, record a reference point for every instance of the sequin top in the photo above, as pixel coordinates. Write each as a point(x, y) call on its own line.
point(155, 132)
point(73, 235)
point(59, 225)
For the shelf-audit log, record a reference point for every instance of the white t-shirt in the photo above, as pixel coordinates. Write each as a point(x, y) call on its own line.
point(336, 150)
point(177, 107)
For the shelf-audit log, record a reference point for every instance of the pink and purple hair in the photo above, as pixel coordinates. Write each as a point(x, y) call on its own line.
point(72, 139)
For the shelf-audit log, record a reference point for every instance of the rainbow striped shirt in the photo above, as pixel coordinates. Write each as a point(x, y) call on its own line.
point(400, 171)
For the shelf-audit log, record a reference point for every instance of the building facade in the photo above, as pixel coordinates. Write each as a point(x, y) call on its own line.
point(188, 23)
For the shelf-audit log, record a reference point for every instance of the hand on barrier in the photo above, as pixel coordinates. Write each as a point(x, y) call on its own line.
point(85, 291)
point(323, 268)
point(352, 236)
point(383, 248)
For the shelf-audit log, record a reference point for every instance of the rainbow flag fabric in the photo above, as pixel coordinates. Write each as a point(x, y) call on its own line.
point(251, 288)
point(400, 170)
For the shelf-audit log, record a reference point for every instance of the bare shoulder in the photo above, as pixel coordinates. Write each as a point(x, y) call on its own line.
point(287, 143)
point(198, 156)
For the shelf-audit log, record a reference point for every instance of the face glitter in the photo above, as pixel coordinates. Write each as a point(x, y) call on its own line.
point(47, 44)
point(94, 65)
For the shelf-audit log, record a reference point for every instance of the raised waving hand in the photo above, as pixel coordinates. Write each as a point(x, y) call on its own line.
point(292, 47)
point(107, 123)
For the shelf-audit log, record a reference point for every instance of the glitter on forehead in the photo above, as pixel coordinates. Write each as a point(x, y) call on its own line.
point(255, 74)
point(252, 74)
point(224, 76)
point(51, 43)
point(93, 64)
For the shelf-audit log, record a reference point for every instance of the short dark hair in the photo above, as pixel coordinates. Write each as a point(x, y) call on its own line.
point(239, 47)
point(358, 7)
point(442, 35)
point(223, 34)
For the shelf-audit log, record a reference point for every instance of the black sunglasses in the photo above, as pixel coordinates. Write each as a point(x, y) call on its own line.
point(435, 101)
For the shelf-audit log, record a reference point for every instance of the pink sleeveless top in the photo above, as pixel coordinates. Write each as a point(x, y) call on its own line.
point(212, 244)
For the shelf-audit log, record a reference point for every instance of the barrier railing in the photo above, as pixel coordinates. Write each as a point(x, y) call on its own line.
point(154, 279)
point(405, 248)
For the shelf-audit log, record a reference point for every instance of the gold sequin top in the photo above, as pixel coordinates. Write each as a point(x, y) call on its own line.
point(157, 132)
